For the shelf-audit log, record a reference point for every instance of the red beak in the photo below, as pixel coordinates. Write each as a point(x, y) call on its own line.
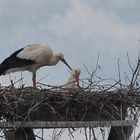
point(64, 61)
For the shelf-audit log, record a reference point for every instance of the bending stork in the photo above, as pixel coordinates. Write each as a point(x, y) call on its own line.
point(31, 58)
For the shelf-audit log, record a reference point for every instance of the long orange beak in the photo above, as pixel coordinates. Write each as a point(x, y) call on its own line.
point(64, 61)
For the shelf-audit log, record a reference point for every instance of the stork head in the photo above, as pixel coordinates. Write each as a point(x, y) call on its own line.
point(76, 73)
point(60, 56)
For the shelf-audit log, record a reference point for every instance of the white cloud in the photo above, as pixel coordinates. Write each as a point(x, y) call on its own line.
point(84, 31)
point(114, 5)
point(83, 22)
point(84, 27)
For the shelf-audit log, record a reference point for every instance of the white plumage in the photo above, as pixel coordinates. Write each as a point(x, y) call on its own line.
point(72, 80)
point(31, 58)
point(36, 52)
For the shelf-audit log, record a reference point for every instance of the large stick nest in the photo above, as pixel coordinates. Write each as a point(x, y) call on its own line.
point(91, 102)
point(31, 104)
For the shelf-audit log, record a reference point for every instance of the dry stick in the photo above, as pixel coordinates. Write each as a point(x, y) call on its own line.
point(60, 133)
point(39, 137)
point(136, 77)
point(83, 115)
point(96, 67)
point(89, 133)
point(109, 106)
point(128, 59)
point(111, 86)
point(138, 137)
point(70, 133)
point(103, 107)
point(90, 80)
point(12, 84)
point(43, 78)
point(42, 132)
point(119, 73)
point(133, 79)
point(127, 78)
point(54, 135)
point(18, 81)
point(122, 119)
point(86, 134)
point(94, 137)
point(94, 72)
point(103, 133)
point(32, 107)
point(37, 133)
point(50, 86)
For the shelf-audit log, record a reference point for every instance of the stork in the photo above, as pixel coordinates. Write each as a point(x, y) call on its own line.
point(31, 58)
point(72, 80)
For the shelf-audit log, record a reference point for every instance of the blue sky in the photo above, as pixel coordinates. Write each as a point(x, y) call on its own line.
point(79, 28)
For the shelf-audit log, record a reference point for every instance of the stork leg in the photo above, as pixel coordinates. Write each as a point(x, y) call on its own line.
point(34, 80)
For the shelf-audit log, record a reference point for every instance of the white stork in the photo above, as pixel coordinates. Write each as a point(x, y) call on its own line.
point(31, 58)
point(72, 80)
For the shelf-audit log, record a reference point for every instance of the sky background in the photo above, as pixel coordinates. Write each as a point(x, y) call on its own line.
point(78, 28)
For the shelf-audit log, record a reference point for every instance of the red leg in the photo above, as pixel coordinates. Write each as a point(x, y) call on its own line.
point(34, 80)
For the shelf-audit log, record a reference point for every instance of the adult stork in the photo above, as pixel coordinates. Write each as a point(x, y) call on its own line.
point(31, 58)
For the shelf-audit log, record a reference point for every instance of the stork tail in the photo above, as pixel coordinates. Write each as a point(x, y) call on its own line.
point(2, 69)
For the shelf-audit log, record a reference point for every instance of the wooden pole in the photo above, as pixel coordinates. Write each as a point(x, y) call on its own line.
point(67, 124)
point(20, 134)
point(120, 132)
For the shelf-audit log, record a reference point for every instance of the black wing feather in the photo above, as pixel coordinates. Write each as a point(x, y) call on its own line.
point(14, 62)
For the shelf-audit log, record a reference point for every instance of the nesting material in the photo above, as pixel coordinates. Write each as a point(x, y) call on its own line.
point(29, 104)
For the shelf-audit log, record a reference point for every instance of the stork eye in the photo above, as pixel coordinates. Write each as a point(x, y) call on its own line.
point(59, 57)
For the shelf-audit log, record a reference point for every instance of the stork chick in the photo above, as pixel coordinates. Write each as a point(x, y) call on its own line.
point(72, 80)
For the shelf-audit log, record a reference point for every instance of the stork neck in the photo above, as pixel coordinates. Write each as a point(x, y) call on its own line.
point(71, 81)
point(54, 60)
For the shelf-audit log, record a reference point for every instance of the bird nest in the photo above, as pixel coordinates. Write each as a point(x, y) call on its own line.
point(92, 102)
point(30, 104)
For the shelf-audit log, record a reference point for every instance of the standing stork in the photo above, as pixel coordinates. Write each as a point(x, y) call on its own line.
point(31, 58)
